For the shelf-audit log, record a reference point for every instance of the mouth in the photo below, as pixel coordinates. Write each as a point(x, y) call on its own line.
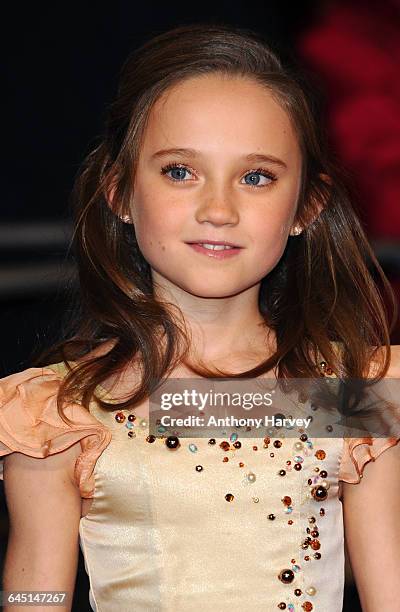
point(215, 243)
point(219, 249)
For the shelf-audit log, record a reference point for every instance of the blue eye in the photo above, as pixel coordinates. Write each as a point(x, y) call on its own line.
point(261, 172)
point(180, 171)
point(180, 168)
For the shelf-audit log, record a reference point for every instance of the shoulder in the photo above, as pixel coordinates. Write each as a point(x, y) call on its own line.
point(394, 368)
point(30, 422)
point(358, 452)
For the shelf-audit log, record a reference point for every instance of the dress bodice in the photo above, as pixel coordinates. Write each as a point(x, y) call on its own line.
point(211, 526)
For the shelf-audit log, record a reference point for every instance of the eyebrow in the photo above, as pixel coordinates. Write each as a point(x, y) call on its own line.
point(251, 157)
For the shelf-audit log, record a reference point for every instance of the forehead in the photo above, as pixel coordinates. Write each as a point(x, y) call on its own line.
point(217, 113)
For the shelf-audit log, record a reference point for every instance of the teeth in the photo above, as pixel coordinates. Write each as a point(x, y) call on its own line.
point(215, 247)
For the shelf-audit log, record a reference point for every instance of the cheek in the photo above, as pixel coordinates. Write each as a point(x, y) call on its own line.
point(155, 222)
point(269, 239)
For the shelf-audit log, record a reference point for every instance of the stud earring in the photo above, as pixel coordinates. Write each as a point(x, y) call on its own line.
point(297, 231)
point(126, 219)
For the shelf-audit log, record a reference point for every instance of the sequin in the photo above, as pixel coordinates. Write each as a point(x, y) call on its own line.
point(251, 477)
point(229, 497)
point(120, 417)
point(233, 437)
point(286, 576)
point(192, 448)
point(271, 517)
point(150, 438)
point(199, 468)
point(320, 454)
point(319, 493)
point(172, 442)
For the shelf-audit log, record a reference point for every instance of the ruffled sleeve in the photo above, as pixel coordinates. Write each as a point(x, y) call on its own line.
point(30, 424)
point(357, 452)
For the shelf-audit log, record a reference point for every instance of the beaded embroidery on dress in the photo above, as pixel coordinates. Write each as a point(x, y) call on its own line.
point(249, 525)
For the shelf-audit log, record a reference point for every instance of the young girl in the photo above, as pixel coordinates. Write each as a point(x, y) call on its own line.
point(210, 141)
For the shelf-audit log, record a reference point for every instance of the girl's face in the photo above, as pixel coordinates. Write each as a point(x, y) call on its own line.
point(234, 176)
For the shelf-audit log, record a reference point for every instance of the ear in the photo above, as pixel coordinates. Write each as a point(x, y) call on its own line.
point(109, 193)
point(318, 207)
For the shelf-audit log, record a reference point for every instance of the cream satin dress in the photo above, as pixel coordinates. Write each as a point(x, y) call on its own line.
point(183, 529)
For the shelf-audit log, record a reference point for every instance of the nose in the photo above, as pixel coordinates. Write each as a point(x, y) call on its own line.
point(217, 206)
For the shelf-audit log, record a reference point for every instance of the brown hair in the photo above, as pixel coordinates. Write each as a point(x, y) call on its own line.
point(321, 294)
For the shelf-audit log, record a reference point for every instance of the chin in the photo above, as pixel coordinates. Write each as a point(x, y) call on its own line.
point(211, 290)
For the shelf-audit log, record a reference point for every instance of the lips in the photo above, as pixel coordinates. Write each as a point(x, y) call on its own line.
point(215, 253)
point(216, 242)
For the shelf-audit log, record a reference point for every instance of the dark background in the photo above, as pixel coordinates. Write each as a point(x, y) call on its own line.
point(61, 64)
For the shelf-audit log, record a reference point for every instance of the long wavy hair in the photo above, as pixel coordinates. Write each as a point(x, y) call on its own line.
point(321, 295)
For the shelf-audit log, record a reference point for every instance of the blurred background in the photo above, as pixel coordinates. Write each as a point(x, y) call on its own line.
point(60, 67)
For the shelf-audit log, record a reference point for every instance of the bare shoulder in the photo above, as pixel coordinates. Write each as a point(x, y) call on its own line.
point(378, 355)
point(125, 379)
point(394, 369)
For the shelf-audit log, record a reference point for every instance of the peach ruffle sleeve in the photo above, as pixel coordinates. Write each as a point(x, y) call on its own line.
point(30, 424)
point(358, 452)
